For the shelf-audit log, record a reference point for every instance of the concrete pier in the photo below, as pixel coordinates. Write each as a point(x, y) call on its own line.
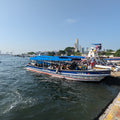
point(115, 74)
point(113, 110)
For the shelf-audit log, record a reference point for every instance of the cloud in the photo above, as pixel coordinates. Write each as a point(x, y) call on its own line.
point(70, 20)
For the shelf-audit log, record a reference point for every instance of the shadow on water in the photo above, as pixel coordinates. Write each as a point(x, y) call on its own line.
point(112, 80)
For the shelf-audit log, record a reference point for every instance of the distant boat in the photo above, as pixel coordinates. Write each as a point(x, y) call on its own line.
point(113, 59)
point(56, 66)
point(108, 63)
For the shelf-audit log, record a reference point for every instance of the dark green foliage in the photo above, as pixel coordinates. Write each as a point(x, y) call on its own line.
point(69, 50)
point(77, 53)
point(110, 50)
point(107, 52)
point(61, 52)
point(117, 53)
point(102, 53)
point(30, 53)
point(51, 53)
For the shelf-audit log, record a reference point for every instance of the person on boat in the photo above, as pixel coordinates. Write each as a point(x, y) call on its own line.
point(92, 62)
point(57, 69)
point(62, 67)
point(68, 67)
point(73, 66)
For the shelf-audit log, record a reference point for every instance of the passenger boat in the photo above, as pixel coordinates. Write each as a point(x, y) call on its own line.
point(66, 67)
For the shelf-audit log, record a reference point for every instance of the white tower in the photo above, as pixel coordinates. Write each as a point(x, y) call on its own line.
point(76, 45)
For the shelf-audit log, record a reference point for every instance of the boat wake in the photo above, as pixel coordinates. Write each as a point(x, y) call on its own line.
point(15, 98)
point(18, 102)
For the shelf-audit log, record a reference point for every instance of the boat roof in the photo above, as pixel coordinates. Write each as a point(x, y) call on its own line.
point(73, 57)
point(96, 43)
point(49, 58)
point(56, 58)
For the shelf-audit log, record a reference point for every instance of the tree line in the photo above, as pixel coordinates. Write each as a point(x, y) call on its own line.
point(70, 51)
point(67, 51)
point(111, 52)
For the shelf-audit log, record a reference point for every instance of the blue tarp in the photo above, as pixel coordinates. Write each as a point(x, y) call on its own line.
point(49, 58)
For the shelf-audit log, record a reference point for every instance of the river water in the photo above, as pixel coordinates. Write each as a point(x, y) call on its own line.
point(25, 95)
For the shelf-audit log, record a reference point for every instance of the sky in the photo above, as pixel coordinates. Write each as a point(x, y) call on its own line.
point(47, 25)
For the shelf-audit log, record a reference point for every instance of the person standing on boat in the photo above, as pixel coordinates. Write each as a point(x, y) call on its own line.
point(57, 69)
point(92, 62)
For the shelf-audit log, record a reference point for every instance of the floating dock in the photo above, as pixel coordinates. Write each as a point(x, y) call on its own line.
point(113, 110)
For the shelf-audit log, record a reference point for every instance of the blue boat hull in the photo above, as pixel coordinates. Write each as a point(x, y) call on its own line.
point(81, 75)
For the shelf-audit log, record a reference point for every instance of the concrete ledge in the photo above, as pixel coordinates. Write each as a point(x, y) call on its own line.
point(113, 110)
point(115, 74)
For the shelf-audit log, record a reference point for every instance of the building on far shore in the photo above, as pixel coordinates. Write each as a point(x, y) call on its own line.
point(83, 50)
point(77, 46)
